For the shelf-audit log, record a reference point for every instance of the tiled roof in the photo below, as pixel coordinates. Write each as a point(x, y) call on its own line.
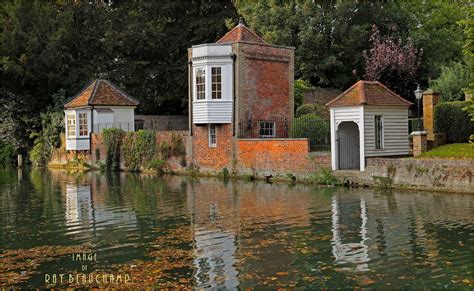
point(241, 33)
point(101, 92)
point(368, 93)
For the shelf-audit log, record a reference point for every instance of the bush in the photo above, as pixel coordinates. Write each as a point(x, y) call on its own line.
point(453, 81)
point(156, 164)
point(138, 148)
point(300, 87)
point(318, 109)
point(177, 145)
point(311, 126)
point(326, 177)
point(112, 142)
point(451, 119)
point(7, 154)
point(40, 153)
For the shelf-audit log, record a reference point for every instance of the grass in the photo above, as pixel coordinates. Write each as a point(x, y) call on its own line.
point(455, 150)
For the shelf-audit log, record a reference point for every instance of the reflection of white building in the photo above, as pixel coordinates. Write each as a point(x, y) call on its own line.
point(78, 204)
point(349, 247)
point(215, 259)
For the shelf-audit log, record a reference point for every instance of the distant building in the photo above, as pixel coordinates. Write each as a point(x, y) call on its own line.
point(240, 83)
point(99, 105)
point(367, 120)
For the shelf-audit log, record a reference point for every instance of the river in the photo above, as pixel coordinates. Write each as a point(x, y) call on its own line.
point(178, 231)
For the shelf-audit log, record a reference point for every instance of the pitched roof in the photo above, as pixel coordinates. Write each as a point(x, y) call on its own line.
point(368, 93)
point(241, 33)
point(101, 92)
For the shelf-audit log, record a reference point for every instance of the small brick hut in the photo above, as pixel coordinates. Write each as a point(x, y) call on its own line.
point(238, 87)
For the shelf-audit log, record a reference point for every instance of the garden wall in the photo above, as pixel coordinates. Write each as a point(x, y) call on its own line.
point(429, 174)
point(278, 157)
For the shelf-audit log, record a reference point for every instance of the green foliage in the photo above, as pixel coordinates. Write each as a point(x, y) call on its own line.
point(382, 181)
point(317, 109)
point(113, 142)
point(164, 149)
point(326, 177)
point(97, 154)
point(300, 87)
point(225, 173)
point(138, 148)
point(310, 126)
point(156, 164)
point(7, 153)
point(453, 81)
point(177, 147)
point(40, 153)
point(451, 119)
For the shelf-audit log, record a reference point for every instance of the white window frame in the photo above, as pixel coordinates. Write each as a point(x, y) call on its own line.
point(79, 124)
point(266, 135)
point(216, 91)
point(212, 131)
point(71, 122)
point(196, 84)
point(379, 139)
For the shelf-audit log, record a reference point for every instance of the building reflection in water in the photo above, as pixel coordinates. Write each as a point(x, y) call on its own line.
point(350, 248)
point(79, 210)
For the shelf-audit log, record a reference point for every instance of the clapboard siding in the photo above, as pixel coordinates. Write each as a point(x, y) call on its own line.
point(347, 113)
point(212, 112)
point(76, 144)
point(395, 130)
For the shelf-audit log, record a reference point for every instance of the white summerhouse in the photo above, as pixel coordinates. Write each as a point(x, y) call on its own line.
point(367, 120)
point(98, 106)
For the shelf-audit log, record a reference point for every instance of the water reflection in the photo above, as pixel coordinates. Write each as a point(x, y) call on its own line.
point(242, 234)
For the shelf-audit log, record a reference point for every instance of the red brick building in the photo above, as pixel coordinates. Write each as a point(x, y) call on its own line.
point(238, 87)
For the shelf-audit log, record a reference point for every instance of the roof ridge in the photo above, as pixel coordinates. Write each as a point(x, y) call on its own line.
point(363, 95)
point(123, 93)
point(80, 92)
point(394, 94)
point(239, 33)
point(94, 91)
point(342, 94)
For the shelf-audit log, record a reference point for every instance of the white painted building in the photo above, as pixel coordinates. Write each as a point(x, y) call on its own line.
point(367, 120)
point(98, 106)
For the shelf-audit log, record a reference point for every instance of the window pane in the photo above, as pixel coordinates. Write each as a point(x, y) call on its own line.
point(267, 129)
point(200, 84)
point(216, 83)
point(71, 124)
point(212, 135)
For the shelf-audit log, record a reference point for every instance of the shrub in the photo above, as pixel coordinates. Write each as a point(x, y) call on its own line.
point(7, 153)
point(300, 87)
point(138, 148)
point(97, 154)
point(317, 109)
point(156, 164)
point(451, 119)
point(112, 142)
point(164, 149)
point(326, 177)
point(310, 126)
point(40, 154)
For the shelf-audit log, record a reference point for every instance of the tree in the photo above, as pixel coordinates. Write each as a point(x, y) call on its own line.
point(454, 80)
point(392, 62)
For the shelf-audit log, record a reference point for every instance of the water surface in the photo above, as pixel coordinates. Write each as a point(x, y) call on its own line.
point(181, 231)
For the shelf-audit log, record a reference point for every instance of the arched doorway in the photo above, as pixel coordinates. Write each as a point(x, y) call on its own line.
point(348, 145)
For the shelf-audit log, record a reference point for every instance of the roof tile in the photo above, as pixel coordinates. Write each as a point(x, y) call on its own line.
point(368, 93)
point(241, 33)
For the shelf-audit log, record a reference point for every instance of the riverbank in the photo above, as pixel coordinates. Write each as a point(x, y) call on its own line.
point(430, 174)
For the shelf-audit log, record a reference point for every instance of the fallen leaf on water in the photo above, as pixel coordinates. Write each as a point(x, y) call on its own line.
point(282, 273)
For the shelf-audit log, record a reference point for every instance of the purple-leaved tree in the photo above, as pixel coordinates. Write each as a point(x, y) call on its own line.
point(392, 62)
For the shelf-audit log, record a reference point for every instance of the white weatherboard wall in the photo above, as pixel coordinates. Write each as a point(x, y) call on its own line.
point(347, 114)
point(123, 117)
point(211, 110)
point(395, 130)
point(78, 143)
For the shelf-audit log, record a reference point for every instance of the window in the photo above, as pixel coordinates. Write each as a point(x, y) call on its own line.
point(212, 135)
point(71, 124)
point(267, 129)
point(83, 128)
point(216, 83)
point(378, 132)
point(200, 84)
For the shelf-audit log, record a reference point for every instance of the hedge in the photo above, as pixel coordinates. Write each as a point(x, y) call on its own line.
point(453, 121)
point(314, 128)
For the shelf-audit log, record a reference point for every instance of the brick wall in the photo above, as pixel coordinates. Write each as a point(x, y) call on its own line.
point(212, 158)
point(278, 157)
point(264, 82)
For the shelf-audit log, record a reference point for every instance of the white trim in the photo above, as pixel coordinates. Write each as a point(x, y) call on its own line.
point(333, 140)
point(265, 135)
point(209, 134)
point(362, 140)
